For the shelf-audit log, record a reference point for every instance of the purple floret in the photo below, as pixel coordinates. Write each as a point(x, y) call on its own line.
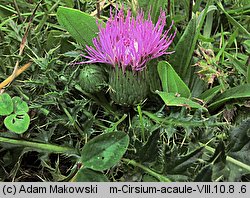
point(130, 42)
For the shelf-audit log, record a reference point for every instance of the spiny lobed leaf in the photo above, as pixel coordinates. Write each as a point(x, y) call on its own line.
point(148, 152)
point(180, 164)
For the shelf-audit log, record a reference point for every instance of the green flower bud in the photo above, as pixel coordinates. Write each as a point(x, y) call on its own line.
point(92, 78)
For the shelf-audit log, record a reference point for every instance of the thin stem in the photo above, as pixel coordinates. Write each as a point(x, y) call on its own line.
point(10, 78)
point(117, 123)
point(228, 158)
point(22, 45)
point(161, 178)
point(98, 9)
point(37, 145)
point(18, 11)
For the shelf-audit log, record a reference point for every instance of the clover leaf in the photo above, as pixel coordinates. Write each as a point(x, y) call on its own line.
point(18, 122)
point(6, 104)
point(19, 105)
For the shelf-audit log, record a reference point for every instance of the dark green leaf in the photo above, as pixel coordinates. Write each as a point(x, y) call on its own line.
point(148, 153)
point(149, 178)
point(178, 178)
point(240, 136)
point(240, 143)
point(180, 164)
point(219, 154)
point(242, 155)
point(88, 175)
point(218, 162)
point(205, 175)
point(104, 151)
point(153, 76)
point(233, 165)
point(235, 173)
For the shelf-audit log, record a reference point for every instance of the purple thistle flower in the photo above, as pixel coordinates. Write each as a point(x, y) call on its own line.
point(130, 42)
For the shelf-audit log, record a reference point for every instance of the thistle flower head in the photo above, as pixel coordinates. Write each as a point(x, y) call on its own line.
point(130, 42)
